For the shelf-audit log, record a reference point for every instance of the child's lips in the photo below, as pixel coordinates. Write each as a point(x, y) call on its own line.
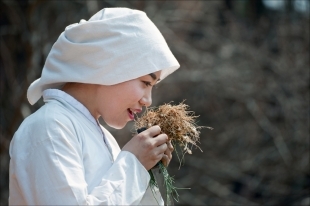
point(132, 112)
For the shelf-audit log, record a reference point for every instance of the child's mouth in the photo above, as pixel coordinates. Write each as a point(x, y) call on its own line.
point(131, 114)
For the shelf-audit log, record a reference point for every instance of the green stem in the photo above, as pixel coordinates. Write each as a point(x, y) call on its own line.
point(168, 180)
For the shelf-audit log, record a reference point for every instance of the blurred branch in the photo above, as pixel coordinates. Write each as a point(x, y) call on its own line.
point(224, 170)
point(223, 192)
point(7, 60)
point(272, 130)
point(188, 198)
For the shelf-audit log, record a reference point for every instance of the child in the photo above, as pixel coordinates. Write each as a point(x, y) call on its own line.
point(61, 155)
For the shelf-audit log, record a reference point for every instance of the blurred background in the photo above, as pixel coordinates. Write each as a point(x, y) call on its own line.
point(244, 70)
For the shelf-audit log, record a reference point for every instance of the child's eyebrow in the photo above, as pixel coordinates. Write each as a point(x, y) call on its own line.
point(154, 76)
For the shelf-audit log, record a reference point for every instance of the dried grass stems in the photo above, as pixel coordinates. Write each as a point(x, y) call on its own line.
point(179, 125)
point(175, 121)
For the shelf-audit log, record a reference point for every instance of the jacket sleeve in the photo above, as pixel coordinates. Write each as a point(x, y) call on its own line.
point(46, 168)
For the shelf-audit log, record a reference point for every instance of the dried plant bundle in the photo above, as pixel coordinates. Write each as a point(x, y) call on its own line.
point(179, 125)
point(175, 121)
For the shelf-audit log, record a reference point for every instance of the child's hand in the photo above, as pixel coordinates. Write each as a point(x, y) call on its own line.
point(150, 147)
point(168, 154)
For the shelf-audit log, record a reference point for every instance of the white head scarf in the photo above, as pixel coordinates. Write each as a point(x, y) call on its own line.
point(113, 46)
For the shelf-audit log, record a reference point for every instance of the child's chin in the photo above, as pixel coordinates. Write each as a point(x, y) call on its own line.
point(118, 126)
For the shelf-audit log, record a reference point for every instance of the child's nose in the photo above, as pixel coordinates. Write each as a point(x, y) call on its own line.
point(146, 100)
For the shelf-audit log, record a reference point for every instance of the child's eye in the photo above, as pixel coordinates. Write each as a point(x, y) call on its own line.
point(147, 83)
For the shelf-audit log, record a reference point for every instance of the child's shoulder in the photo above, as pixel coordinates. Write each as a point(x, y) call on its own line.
point(48, 113)
point(48, 123)
point(48, 117)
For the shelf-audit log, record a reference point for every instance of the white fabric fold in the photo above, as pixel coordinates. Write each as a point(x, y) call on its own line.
point(113, 46)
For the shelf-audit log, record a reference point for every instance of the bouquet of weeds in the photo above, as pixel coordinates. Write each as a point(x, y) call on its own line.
point(179, 125)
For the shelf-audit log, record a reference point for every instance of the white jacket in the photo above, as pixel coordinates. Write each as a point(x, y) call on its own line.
point(61, 155)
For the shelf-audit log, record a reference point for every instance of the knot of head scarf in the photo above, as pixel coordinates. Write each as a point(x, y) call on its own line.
point(113, 46)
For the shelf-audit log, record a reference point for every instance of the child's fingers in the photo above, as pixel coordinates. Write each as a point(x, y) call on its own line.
point(153, 131)
point(160, 150)
point(167, 154)
point(160, 139)
point(165, 160)
point(170, 147)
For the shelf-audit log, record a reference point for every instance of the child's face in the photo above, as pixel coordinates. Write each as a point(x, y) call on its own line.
point(118, 103)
